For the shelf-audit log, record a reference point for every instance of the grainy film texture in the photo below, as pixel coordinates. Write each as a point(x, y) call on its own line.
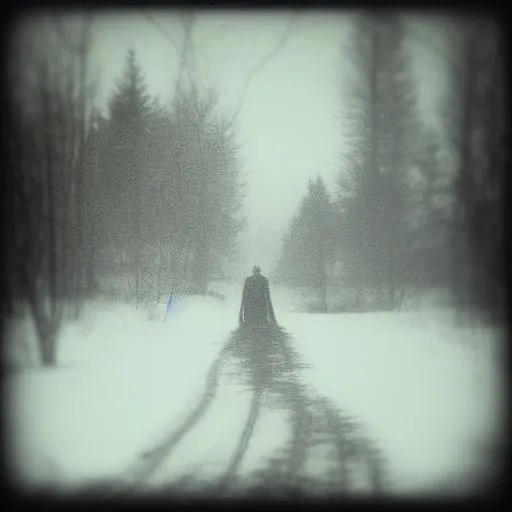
point(254, 252)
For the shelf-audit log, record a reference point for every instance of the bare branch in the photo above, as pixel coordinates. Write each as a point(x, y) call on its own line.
point(261, 64)
point(187, 23)
point(162, 30)
point(63, 35)
point(185, 59)
point(76, 49)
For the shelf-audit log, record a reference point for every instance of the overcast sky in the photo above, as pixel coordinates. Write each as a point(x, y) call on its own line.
point(289, 124)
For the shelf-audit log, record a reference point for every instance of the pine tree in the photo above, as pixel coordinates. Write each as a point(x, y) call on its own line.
point(126, 162)
point(163, 209)
point(210, 184)
point(317, 222)
point(381, 119)
point(307, 245)
point(130, 103)
point(289, 267)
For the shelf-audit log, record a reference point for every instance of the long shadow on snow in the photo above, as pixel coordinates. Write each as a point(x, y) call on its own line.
point(267, 363)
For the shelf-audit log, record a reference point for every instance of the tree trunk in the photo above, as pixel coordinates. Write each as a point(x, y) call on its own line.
point(201, 273)
point(137, 259)
point(46, 324)
point(323, 296)
point(48, 349)
point(161, 270)
point(322, 277)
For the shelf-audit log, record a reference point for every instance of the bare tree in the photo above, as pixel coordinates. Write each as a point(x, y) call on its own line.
point(48, 92)
point(380, 116)
point(186, 61)
point(476, 127)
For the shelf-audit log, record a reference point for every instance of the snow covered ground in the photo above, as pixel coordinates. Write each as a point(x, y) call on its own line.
point(427, 391)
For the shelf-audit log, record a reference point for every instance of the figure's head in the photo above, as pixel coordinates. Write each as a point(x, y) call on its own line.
point(256, 270)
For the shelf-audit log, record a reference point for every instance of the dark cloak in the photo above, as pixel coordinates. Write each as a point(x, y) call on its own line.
point(256, 308)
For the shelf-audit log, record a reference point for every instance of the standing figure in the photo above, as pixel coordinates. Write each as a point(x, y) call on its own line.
point(256, 308)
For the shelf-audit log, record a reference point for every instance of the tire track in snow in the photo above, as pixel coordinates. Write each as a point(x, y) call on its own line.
point(270, 367)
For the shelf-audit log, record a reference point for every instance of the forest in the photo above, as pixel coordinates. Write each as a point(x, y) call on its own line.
point(406, 216)
point(151, 195)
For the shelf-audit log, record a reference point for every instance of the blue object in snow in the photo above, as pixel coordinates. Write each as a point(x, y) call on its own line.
point(174, 303)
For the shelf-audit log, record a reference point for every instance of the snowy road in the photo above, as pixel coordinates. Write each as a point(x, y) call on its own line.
point(423, 390)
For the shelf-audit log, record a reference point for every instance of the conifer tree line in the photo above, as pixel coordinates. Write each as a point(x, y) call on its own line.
point(144, 194)
point(404, 217)
point(169, 189)
point(151, 195)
